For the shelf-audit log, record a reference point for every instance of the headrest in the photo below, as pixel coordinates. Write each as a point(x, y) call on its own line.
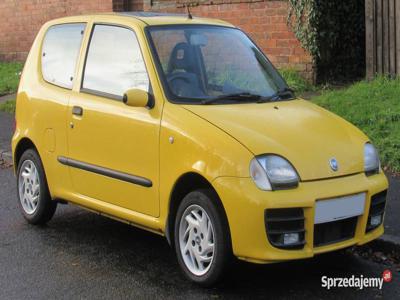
point(182, 58)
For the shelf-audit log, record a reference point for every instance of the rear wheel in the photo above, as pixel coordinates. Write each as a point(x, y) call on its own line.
point(33, 194)
point(202, 240)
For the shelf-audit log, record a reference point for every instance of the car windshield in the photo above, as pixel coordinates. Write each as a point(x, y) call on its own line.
point(213, 64)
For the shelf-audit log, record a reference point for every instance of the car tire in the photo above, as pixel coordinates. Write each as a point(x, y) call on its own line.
point(33, 194)
point(202, 238)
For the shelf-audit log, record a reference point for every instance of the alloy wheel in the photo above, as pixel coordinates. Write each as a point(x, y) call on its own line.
point(196, 240)
point(29, 187)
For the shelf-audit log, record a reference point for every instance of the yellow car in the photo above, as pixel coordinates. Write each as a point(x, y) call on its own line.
point(181, 126)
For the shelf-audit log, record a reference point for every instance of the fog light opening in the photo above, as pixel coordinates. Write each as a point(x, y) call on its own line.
point(376, 211)
point(285, 228)
point(291, 238)
point(375, 221)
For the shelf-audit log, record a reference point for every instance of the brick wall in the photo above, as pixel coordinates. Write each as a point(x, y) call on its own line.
point(263, 20)
point(137, 5)
point(119, 5)
point(20, 21)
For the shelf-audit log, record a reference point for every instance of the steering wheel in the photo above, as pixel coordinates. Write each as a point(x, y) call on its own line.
point(185, 84)
point(180, 88)
point(181, 76)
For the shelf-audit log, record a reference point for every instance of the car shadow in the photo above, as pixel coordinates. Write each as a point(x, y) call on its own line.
point(93, 242)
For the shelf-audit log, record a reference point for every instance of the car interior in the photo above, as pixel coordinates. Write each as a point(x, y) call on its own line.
point(185, 73)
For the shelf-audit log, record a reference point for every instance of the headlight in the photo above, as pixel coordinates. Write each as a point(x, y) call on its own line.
point(271, 172)
point(371, 159)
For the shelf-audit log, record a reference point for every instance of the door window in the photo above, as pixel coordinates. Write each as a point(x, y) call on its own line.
point(114, 62)
point(60, 52)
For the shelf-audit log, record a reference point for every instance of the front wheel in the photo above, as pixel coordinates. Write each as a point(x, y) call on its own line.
point(202, 240)
point(33, 194)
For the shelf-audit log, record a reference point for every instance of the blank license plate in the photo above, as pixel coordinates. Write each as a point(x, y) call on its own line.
point(339, 208)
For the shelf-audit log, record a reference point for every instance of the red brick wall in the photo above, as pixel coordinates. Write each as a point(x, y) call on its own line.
point(263, 20)
point(135, 5)
point(20, 21)
point(119, 5)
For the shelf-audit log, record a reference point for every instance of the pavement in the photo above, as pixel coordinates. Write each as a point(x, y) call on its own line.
point(7, 97)
point(6, 132)
point(392, 220)
point(79, 254)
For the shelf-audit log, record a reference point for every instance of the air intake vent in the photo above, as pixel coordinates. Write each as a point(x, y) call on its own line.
point(285, 227)
point(376, 211)
point(334, 232)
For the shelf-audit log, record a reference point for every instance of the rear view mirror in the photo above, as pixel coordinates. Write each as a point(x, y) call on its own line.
point(136, 98)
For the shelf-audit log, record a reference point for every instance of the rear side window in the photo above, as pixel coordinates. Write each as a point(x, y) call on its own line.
point(114, 62)
point(60, 52)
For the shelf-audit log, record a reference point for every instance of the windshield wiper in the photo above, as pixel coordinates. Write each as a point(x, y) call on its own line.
point(237, 97)
point(286, 91)
point(251, 97)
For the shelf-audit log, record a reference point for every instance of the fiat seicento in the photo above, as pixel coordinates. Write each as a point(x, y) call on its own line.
point(182, 126)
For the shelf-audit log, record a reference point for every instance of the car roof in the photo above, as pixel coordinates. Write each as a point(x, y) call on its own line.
point(146, 18)
point(157, 18)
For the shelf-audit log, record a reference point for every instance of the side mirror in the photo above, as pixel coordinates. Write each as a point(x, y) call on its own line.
point(136, 98)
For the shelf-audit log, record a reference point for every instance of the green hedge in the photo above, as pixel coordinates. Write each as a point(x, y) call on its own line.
point(334, 33)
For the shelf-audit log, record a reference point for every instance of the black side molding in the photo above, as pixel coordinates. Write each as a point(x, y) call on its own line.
point(105, 171)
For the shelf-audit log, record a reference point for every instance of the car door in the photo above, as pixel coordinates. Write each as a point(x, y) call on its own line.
point(49, 94)
point(113, 149)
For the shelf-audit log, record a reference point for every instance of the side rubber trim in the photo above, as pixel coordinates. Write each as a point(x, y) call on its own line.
point(105, 171)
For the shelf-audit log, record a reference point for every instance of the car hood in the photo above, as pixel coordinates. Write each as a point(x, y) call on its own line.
point(305, 134)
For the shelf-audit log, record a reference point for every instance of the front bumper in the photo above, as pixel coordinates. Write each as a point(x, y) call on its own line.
point(245, 207)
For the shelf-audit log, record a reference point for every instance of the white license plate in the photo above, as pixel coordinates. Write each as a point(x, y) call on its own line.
point(339, 208)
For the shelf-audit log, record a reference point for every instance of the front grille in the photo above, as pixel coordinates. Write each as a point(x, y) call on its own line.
point(333, 232)
point(377, 208)
point(279, 222)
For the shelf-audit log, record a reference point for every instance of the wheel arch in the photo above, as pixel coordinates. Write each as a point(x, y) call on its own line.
point(23, 145)
point(185, 184)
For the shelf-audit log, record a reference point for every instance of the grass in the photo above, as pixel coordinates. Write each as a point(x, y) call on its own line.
point(9, 77)
point(295, 81)
point(374, 107)
point(8, 106)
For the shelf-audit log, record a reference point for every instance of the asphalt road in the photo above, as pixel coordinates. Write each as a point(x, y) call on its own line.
point(392, 221)
point(82, 255)
point(6, 130)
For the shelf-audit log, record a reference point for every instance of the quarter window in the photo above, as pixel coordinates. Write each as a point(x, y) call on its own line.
point(60, 52)
point(114, 62)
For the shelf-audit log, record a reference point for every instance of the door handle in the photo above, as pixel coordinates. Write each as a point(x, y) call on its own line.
point(77, 111)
